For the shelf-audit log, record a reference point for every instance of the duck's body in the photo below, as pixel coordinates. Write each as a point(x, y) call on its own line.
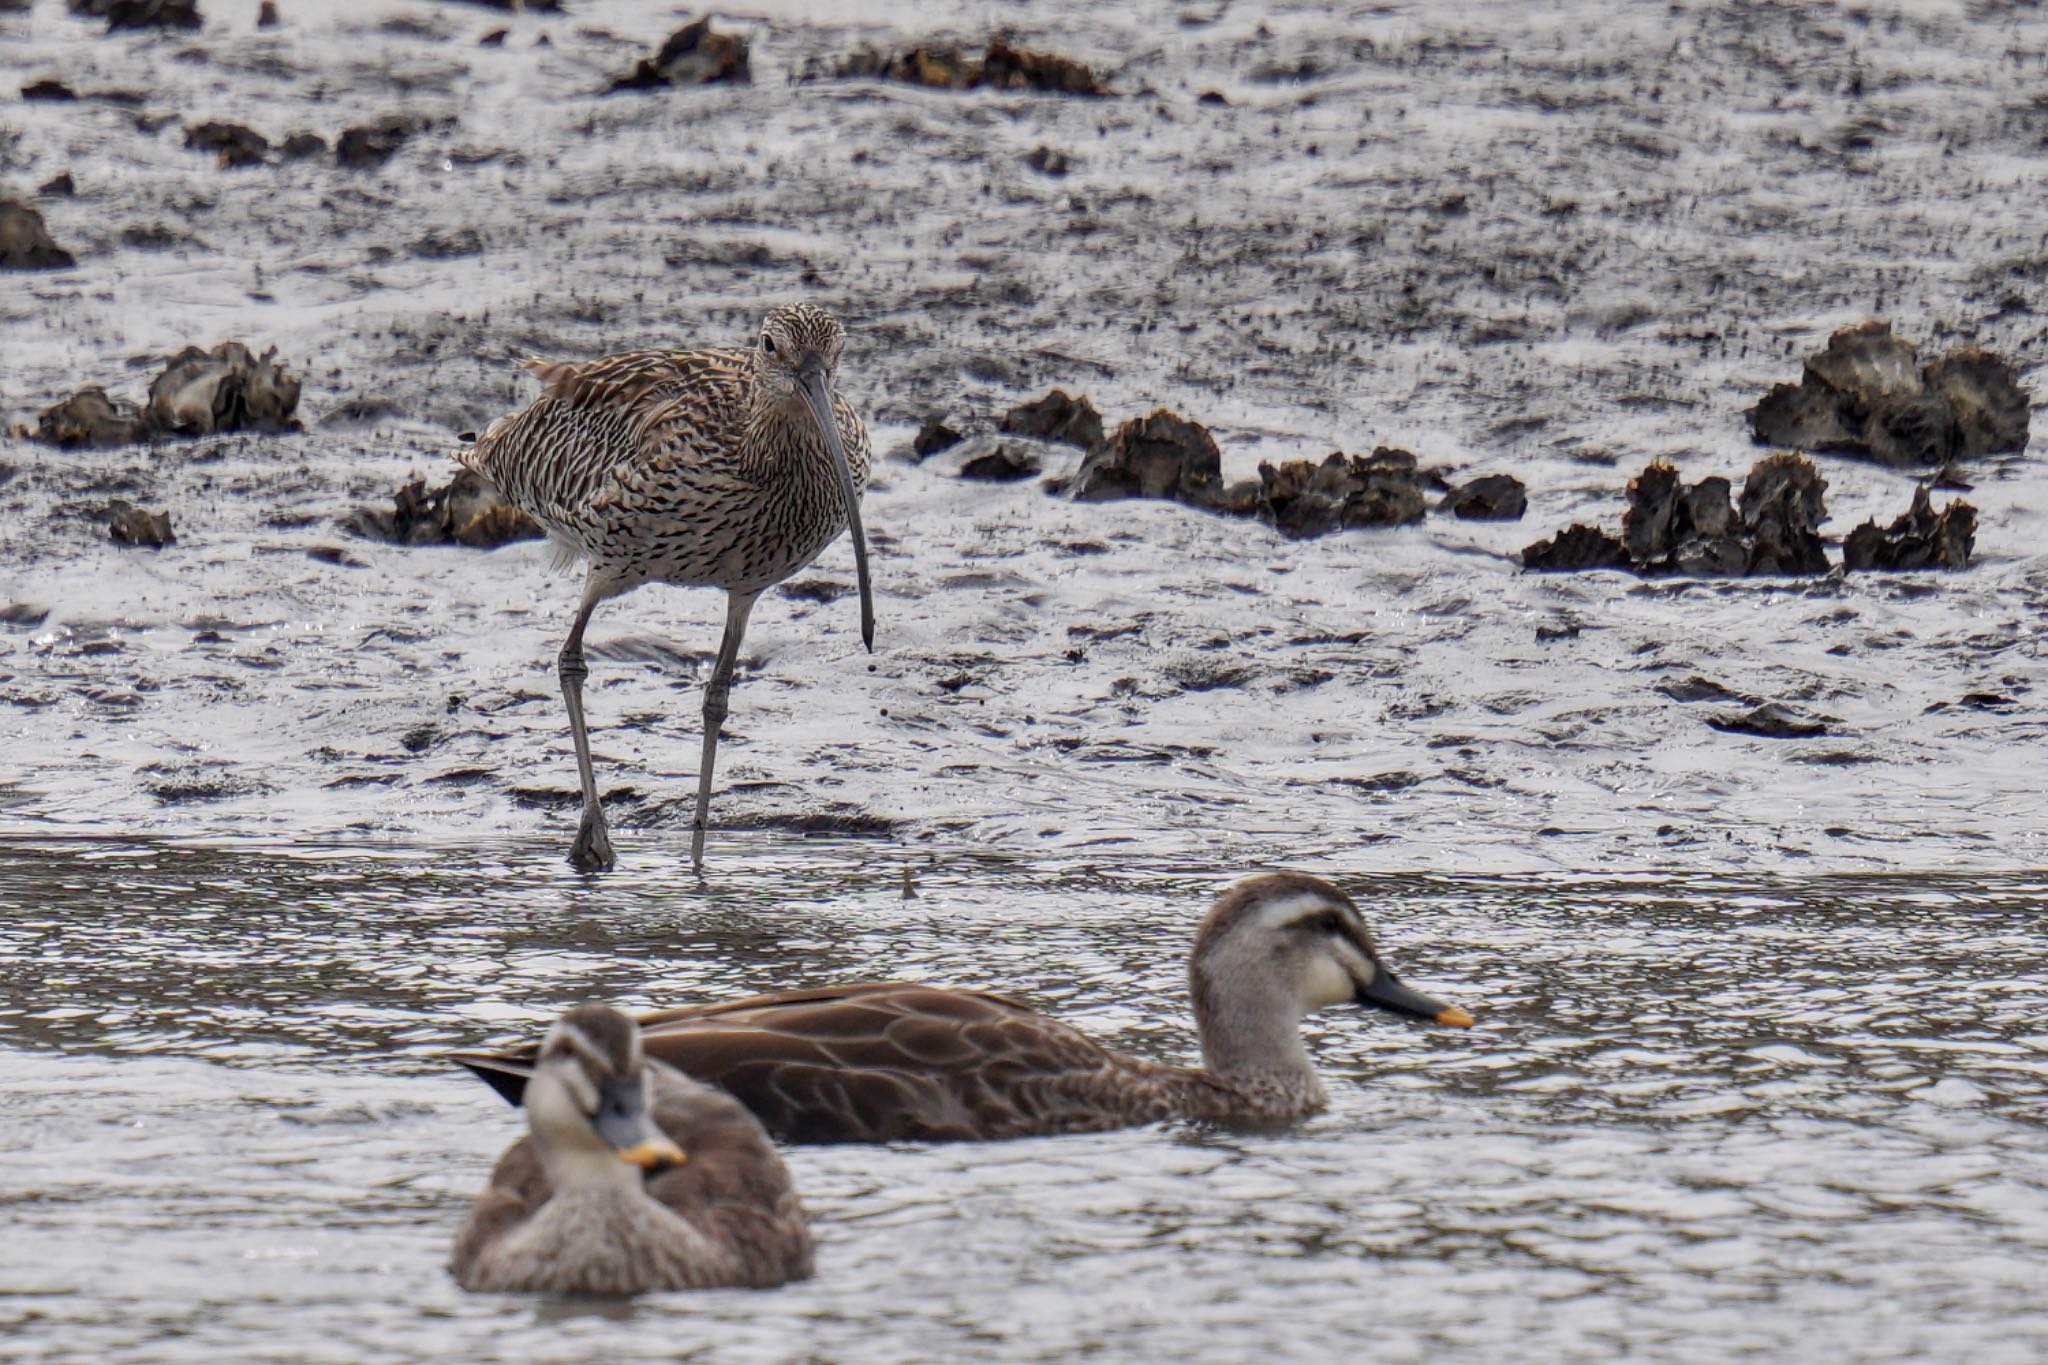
point(722, 467)
point(696, 1197)
point(898, 1061)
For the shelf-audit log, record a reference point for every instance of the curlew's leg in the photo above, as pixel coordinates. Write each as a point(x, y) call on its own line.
point(592, 851)
point(737, 608)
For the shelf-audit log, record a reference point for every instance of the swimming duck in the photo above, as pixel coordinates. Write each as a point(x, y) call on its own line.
point(634, 1178)
point(898, 1061)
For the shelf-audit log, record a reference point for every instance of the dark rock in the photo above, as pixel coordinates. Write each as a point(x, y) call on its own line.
point(48, 90)
point(1921, 539)
point(1056, 417)
point(1491, 497)
point(1003, 462)
point(1769, 721)
point(299, 146)
point(122, 14)
point(1697, 688)
point(25, 243)
point(130, 525)
point(1009, 68)
point(372, 144)
point(235, 144)
point(933, 436)
point(225, 389)
point(466, 510)
point(1302, 499)
point(90, 418)
point(447, 243)
point(266, 14)
point(693, 55)
point(1576, 548)
point(1161, 456)
point(1048, 162)
point(151, 237)
point(60, 185)
point(1001, 67)
point(1867, 394)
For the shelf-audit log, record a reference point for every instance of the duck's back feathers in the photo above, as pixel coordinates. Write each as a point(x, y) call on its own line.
point(898, 1061)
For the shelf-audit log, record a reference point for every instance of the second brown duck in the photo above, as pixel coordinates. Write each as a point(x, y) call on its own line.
point(897, 1061)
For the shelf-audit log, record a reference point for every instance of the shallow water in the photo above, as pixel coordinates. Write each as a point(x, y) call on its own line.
point(1698, 1116)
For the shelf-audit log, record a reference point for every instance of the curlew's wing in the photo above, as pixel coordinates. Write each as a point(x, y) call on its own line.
point(621, 419)
point(732, 1186)
point(895, 1061)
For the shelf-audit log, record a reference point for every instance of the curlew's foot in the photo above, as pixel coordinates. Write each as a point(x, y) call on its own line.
point(592, 851)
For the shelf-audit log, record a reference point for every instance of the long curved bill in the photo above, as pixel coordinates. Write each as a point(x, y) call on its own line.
point(1386, 992)
point(810, 377)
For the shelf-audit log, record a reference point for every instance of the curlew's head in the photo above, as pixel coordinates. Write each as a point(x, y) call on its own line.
point(794, 362)
point(588, 1101)
point(1276, 947)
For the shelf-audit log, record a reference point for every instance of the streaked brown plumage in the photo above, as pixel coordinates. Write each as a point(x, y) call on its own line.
point(634, 1178)
point(723, 468)
point(901, 1061)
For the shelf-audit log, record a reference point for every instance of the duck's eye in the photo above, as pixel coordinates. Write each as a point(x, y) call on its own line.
point(1330, 922)
point(767, 344)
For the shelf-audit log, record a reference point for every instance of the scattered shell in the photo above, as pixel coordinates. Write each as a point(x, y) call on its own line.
point(1056, 417)
point(1921, 539)
point(131, 525)
point(1491, 497)
point(1302, 499)
point(466, 510)
point(198, 393)
point(225, 389)
point(1001, 67)
point(693, 55)
point(1867, 394)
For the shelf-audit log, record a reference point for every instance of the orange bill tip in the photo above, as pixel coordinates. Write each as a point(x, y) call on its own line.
point(1453, 1017)
point(653, 1154)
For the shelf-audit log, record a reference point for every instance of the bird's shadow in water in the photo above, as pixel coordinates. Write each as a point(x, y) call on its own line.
point(559, 1308)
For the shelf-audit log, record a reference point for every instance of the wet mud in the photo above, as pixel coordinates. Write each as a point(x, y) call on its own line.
point(1558, 245)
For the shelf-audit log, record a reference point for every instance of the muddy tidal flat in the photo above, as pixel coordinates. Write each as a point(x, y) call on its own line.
point(1739, 873)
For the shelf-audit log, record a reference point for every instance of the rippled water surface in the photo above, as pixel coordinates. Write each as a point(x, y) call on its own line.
point(1698, 1117)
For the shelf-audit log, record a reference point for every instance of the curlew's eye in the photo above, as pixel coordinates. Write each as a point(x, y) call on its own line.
point(1330, 922)
point(767, 344)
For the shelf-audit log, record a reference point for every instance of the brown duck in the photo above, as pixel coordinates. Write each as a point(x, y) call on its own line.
point(634, 1178)
point(897, 1061)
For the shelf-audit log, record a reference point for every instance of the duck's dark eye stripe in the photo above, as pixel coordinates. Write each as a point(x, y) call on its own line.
point(1330, 922)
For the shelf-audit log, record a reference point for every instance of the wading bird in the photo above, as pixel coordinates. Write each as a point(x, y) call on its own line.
point(902, 1062)
point(634, 1178)
point(723, 468)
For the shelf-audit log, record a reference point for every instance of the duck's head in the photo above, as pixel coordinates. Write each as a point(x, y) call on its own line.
point(590, 1097)
point(794, 362)
point(1276, 947)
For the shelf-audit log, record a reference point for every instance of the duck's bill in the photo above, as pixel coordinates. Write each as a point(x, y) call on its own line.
point(810, 377)
point(657, 1154)
point(1386, 992)
point(623, 1121)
